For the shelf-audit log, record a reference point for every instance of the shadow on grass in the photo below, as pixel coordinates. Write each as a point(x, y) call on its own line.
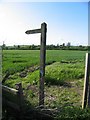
point(52, 81)
point(29, 113)
point(73, 113)
point(66, 113)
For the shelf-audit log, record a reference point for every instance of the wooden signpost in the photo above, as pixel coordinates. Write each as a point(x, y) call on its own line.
point(43, 31)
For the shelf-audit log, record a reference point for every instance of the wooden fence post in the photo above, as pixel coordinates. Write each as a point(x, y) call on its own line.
point(86, 91)
point(0, 83)
point(88, 103)
point(42, 62)
point(20, 95)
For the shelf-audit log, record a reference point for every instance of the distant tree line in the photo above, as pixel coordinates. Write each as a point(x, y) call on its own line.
point(68, 46)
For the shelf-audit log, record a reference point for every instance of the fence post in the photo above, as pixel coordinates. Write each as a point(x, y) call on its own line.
point(88, 103)
point(20, 95)
point(89, 81)
point(86, 91)
point(42, 62)
point(0, 83)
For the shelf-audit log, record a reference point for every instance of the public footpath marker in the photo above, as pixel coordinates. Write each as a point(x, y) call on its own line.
point(43, 31)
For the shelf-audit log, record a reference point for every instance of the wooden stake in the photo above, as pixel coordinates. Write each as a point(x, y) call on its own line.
point(89, 81)
point(86, 82)
point(88, 103)
point(20, 95)
point(42, 63)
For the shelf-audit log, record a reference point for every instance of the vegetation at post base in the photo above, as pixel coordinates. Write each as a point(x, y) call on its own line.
point(64, 79)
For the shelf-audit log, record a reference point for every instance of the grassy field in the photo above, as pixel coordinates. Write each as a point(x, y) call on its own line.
point(61, 66)
point(64, 76)
point(17, 60)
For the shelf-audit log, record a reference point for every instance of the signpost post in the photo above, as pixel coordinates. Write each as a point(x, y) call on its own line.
point(43, 31)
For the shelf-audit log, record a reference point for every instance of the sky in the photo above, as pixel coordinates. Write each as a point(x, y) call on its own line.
point(66, 22)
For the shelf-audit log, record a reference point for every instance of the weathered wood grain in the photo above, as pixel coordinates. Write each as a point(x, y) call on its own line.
point(33, 31)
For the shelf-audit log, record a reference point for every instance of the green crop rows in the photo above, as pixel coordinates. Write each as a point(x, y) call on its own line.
point(17, 60)
point(64, 77)
point(60, 65)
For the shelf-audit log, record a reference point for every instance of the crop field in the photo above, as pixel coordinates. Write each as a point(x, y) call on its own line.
point(60, 65)
point(64, 76)
point(17, 60)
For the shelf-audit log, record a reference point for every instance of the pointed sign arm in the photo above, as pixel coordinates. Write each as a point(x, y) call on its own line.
point(33, 31)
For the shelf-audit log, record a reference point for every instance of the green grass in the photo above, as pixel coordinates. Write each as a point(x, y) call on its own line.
point(73, 113)
point(69, 65)
point(62, 69)
point(58, 73)
point(17, 60)
point(64, 79)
